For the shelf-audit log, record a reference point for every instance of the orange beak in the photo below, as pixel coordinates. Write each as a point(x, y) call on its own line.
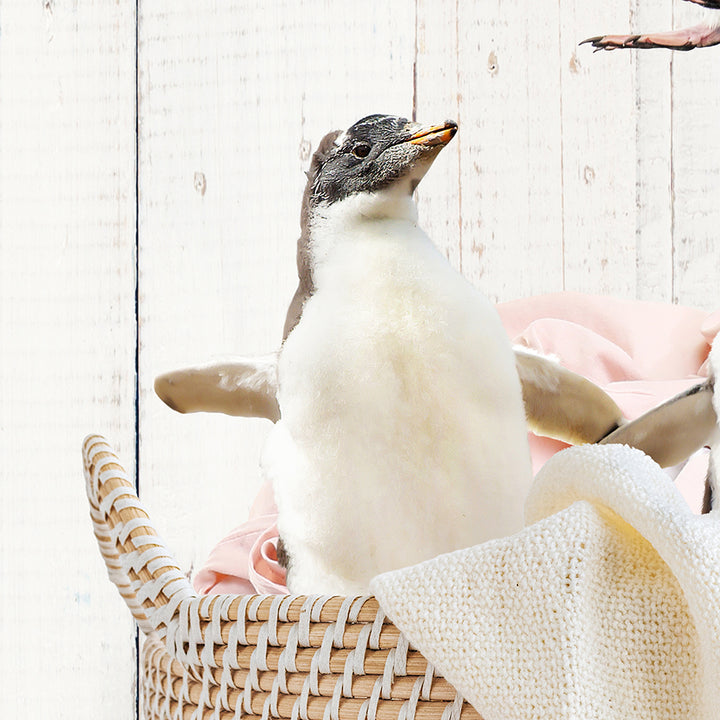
point(434, 134)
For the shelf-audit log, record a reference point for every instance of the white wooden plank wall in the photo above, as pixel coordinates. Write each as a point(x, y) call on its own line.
point(571, 170)
point(67, 348)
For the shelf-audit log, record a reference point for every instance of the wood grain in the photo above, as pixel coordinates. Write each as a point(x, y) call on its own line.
point(510, 178)
point(67, 338)
point(695, 173)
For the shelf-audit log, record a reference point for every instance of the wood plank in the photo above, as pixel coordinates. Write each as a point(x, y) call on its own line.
point(67, 333)
point(437, 99)
point(232, 99)
point(696, 171)
point(510, 147)
point(653, 183)
point(599, 153)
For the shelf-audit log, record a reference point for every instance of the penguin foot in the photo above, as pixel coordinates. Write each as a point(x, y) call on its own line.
point(685, 39)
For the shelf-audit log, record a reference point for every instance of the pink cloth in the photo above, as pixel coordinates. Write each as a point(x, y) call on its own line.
point(640, 353)
point(245, 562)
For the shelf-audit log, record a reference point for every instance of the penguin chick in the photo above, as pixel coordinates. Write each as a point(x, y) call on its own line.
point(704, 34)
point(672, 431)
point(402, 433)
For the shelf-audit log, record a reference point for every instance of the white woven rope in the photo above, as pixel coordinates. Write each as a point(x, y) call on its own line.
point(357, 606)
point(140, 540)
point(183, 696)
point(401, 653)
point(196, 634)
point(332, 709)
point(121, 533)
point(168, 687)
point(388, 675)
point(117, 498)
point(103, 473)
point(255, 603)
point(360, 649)
point(342, 616)
point(407, 711)
point(376, 630)
point(260, 653)
point(452, 710)
point(136, 560)
point(204, 699)
point(226, 678)
point(284, 608)
point(170, 583)
point(289, 653)
point(428, 681)
point(325, 652)
point(178, 635)
point(165, 618)
point(368, 709)
point(238, 710)
point(348, 674)
point(300, 708)
point(222, 703)
point(231, 650)
point(272, 622)
point(239, 626)
point(247, 694)
point(318, 605)
point(304, 623)
point(207, 655)
point(312, 678)
point(270, 707)
point(213, 630)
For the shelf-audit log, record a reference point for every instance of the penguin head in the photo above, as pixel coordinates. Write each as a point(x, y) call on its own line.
point(376, 155)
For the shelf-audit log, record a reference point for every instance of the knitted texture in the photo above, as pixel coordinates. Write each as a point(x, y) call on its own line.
point(606, 606)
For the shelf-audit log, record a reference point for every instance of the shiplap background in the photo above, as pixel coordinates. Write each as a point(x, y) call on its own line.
point(571, 171)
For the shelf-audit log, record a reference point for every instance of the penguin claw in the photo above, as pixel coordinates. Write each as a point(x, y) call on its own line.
point(685, 39)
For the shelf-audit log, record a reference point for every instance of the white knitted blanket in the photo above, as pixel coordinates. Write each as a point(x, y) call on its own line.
point(606, 606)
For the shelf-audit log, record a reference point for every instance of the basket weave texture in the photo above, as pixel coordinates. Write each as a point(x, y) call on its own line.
point(267, 656)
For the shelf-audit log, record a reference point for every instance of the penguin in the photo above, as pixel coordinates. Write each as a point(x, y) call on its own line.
point(672, 431)
point(701, 35)
point(402, 432)
point(400, 425)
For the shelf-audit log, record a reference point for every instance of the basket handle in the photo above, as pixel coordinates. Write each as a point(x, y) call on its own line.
point(137, 560)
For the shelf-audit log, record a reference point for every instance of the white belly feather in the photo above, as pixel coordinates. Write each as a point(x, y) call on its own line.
point(403, 433)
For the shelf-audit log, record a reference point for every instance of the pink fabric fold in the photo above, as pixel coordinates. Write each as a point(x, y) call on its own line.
point(640, 353)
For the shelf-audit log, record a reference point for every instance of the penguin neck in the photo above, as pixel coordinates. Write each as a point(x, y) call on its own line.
point(363, 223)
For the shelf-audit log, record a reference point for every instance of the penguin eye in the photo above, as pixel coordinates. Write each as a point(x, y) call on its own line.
point(361, 150)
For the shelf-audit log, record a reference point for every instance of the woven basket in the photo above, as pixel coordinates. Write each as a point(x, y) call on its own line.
point(270, 656)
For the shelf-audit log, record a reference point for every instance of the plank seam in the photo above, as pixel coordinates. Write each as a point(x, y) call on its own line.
point(137, 314)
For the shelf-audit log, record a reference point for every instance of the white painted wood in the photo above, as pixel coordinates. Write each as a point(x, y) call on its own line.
point(594, 172)
point(437, 99)
point(67, 342)
point(653, 172)
point(695, 171)
point(599, 154)
point(510, 150)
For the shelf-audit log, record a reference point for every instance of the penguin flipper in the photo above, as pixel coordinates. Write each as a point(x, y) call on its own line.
point(561, 404)
point(674, 430)
point(238, 386)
